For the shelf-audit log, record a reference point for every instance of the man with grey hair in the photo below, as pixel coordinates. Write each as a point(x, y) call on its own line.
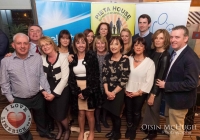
point(21, 76)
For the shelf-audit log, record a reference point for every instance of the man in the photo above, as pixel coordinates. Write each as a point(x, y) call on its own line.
point(118, 24)
point(34, 33)
point(181, 82)
point(144, 23)
point(4, 44)
point(20, 79)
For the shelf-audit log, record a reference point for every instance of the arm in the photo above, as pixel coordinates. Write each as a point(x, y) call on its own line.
point(64, 78)
point(3, 45)
point(5, 81)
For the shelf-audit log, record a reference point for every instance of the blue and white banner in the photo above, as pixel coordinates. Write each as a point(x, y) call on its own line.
point(54, 16)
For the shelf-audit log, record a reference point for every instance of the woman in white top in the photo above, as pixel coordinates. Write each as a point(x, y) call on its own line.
point(139, 85)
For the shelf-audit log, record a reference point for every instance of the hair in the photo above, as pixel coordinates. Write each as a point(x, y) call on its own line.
point(145, 16)
point(166, 38)
point(118, 38)
point(182, 27)
point(20, 34)
point(130, 40)
point(140, 40)
point(36, 26)
point(61, 34)
point(86, 32)
point(49, 40)
point(102, 39)
point(108, 36)
point(76, 38)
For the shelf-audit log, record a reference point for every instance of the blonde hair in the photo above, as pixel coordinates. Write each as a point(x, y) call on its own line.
point(49, 40)
point(102, 39)
point(130, 37)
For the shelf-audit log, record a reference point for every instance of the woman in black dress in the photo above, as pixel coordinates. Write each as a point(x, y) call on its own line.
point(57, 71)
point(161, 58)
point(115, 76)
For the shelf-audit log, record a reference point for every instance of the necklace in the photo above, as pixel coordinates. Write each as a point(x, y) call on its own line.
point(137, 61)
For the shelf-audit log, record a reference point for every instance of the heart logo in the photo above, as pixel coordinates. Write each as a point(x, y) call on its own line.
point(16, 119)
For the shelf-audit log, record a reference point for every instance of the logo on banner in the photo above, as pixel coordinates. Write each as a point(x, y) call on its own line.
point(16, 118)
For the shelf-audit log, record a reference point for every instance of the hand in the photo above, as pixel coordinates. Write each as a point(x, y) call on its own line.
point(160, 83)
point(134, 94)
point(50, 97)
point(11, 102)
point(125, 56)
point(70, 58)
point(150, 101)
point(80, 96)
point(110, 95)
point(8, 55)
point(45, 94)
point(128, 94)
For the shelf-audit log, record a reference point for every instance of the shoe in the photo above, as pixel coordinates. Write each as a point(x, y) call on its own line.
point(48, 136)
point(98, 127)
point(110, 134)
point(71, 122)
point(150, 137)
point(51, 127)
point(129, 130)
point(133, 134)
point(116, 136)
point(144, 130)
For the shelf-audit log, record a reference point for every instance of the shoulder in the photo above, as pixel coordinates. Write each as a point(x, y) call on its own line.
point(149, 61)
point(135, 36)
point(125, 59)
point(62, 56)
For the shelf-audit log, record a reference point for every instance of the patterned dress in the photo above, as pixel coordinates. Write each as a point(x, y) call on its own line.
point(115, 73)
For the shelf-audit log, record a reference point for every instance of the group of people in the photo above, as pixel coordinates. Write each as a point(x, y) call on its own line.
point(97, 74)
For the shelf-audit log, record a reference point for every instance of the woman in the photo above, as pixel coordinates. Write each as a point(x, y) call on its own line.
point(56, 69)
point(84, 84)
point(90, 37)
point(139, 85)
point(127, 40)
point(100, 46)
point(104, 30)
point(161, 58)
point(115, 75)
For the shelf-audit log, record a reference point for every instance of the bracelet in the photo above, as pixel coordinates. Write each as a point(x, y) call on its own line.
point(114, 92)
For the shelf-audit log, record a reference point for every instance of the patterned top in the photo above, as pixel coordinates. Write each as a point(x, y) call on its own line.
point(22, 77)
point(116, 73)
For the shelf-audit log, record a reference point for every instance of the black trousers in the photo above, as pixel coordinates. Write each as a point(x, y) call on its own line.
point(37, 107)
point(134, 108)
point(116, 121)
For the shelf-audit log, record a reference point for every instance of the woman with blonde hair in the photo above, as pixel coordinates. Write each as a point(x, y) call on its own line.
point(161, 58)
point(127, 39)
point(56, 69)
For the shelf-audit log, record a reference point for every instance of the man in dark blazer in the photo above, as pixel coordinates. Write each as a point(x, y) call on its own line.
point(181, 82)
point(4, 44)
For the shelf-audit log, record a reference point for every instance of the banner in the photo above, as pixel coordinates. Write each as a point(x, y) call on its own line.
point(54, 16)
point(164, 15)
point(118, 16)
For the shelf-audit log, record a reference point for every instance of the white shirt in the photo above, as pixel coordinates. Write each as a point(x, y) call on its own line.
point(33, 47)
point(147, 32)
point(80, 70)
point(141, 77)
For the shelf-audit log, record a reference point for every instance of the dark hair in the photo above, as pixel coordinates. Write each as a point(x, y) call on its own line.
point(138, 41)
point(182, 27)
point(108, 36)
point(145, 16)
point(86, 32)
point(76, 38)
point(61, 34)
point(36, 26)
point(120, 41)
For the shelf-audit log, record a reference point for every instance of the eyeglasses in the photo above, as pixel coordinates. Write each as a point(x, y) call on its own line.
point(45, 45)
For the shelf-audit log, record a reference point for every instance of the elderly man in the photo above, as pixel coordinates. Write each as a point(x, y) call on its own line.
point(20, 80)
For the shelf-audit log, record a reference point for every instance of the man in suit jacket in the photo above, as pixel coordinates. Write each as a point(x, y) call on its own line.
point(4, 44)
point(180, 83)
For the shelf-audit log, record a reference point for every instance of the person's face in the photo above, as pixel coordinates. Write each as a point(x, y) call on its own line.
point(90, 37)
point(115, 46)
point(159, 41)
point(138, 48)
point(143, 24)
point(103, 31)
point(177, 39)
point(64, 40)
point(21, 45)
point(46, 47)
point(100, 46)
point(35, 33)
point(125, 37)
point(80, 45)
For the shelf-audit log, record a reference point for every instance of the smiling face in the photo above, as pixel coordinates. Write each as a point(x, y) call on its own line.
point(138, 48)
point(80, 45)
point(35, 33)
point(100, 46)
point(46, 47)
point(64, 40)
point(103, 30)
point(115, 46)
point(90, 37)
point(159, 41)
point(143, 25)
point(177, 39)
point(125, 37)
